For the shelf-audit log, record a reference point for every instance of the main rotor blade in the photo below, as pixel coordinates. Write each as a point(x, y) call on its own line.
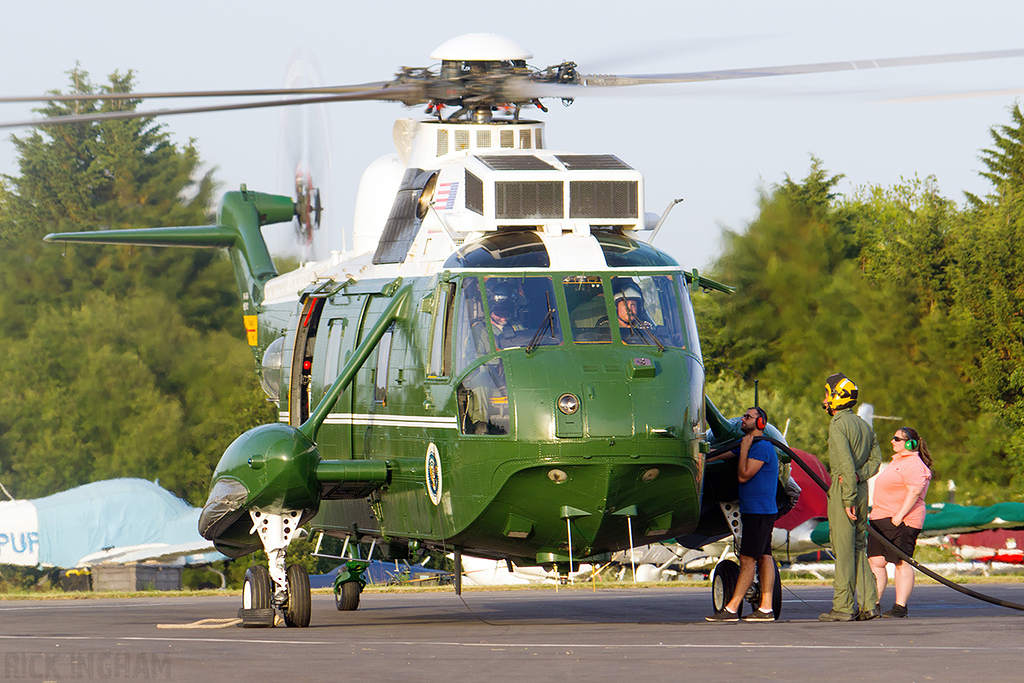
point(598, 80)
point(394, 93)
point(270, 92)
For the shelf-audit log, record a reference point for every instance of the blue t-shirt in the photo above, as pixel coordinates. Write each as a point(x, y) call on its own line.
point(757, 496)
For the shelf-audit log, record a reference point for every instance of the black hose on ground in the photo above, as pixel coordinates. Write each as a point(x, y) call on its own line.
point(724, 453)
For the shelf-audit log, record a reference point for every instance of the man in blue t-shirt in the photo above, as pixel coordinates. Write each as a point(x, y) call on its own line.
point(758, 472)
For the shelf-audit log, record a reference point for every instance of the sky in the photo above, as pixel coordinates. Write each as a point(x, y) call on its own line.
point(716, 146)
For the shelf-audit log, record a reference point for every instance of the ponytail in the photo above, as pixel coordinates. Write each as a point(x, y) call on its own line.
point(922, 447)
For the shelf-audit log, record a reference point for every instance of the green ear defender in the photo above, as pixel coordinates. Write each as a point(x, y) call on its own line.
point(911, 444)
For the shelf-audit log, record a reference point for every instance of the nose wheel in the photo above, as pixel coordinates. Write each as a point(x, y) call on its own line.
point(257, 598)
point(298, 607)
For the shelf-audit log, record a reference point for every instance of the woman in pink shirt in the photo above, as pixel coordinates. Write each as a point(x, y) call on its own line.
point(897, 511)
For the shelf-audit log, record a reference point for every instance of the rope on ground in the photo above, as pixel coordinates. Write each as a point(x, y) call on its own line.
point(204, 623)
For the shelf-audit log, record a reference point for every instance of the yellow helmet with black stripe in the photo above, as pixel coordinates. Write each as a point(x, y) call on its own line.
point(840, 392)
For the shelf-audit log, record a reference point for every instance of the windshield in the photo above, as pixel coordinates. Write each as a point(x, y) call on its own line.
point(642, 310)
point(647, 309)
point(518, 249)
point(621, 251)
point(522, 311)
point(588, 309)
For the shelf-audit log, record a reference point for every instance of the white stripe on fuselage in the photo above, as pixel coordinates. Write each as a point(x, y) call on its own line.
point(371, 419)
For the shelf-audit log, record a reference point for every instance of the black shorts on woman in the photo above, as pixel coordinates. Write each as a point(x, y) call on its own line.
point(903, 537)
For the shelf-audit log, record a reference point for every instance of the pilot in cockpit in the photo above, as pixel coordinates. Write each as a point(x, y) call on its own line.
point(634, 323)
point(502, 301)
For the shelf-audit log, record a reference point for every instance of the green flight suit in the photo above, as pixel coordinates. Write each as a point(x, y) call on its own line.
point(854, 457)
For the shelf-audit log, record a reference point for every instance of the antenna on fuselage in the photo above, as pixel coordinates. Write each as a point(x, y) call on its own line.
point(757, 404)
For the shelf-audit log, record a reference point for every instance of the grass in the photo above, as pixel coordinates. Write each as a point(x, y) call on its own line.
point(788, 578)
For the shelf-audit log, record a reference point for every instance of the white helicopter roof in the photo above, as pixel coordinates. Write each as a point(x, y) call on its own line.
point(480, 47)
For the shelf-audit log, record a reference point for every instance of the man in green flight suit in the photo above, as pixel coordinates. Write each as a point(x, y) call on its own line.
point(854, 457)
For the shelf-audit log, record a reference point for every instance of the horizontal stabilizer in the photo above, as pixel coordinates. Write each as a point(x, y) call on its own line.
point(200, 236)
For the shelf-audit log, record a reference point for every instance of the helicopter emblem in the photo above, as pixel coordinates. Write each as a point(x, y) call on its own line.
point(433, 469)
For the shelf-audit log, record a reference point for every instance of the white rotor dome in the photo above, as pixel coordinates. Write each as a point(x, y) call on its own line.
point(480, 47)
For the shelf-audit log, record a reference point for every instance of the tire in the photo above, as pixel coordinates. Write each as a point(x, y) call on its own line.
point(257, 591)
point(723, 584)
point(297, 611)
point(777, 592)
point(754, 593)
point(347, 598)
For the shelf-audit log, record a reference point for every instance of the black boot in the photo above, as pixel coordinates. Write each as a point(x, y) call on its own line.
point(897, 612)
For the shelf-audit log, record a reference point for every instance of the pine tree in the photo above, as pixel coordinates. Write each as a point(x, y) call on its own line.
point(121, 361)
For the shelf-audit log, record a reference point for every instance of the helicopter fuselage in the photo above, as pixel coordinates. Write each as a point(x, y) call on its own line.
point(482, 455)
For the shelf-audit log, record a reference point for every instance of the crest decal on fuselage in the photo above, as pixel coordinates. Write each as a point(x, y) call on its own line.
point(433, 474)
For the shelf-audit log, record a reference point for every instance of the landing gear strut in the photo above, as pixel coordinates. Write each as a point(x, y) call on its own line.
point(267, 590)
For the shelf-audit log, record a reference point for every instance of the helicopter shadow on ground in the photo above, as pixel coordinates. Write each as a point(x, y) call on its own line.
point(524, 607)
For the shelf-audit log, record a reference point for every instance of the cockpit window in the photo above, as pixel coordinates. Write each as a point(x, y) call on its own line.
point(588, 309)
point(644, 310)
point(518, 249)
point(647, 310)
point(625, 252)
point(523, 312)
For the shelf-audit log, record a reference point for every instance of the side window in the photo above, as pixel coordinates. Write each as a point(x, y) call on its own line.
point(689, 319)
point(336, 332)
point(522, 311)
point(483, 400)
point(471, 340)
point(380, 374)
point(441, 333)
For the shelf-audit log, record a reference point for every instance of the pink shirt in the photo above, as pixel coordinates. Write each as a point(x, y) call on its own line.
point(891, 484)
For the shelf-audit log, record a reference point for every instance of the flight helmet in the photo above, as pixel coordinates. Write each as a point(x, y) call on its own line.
point(840, 393)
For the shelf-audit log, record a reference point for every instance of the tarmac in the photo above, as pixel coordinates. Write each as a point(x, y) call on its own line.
point(611, 634)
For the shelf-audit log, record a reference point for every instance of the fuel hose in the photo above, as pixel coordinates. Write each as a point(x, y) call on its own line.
point(727, 452)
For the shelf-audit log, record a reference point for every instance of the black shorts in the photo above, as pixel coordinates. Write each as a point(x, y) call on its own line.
point(903, 537)
point(757, 534)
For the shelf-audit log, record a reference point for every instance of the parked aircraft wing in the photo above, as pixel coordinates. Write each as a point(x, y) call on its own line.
point(130, 518)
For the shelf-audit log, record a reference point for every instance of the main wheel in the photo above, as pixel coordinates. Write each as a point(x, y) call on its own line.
point(348, 597)
point(256, 591)
point(723, 584)
point(297, 611)
point(777, 592)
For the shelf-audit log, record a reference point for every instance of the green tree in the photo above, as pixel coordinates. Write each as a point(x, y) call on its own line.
point(988, 281)
point(107, 175)
point(863, 285)
point(120, 361)
point(1005, 160)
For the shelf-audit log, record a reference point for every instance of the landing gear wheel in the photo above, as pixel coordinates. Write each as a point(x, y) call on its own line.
point(256, 591)
point(296, 612)
point(723, 584)
point(347, 598)
point(257, 610)
point(754, 594)
point(777, 593)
